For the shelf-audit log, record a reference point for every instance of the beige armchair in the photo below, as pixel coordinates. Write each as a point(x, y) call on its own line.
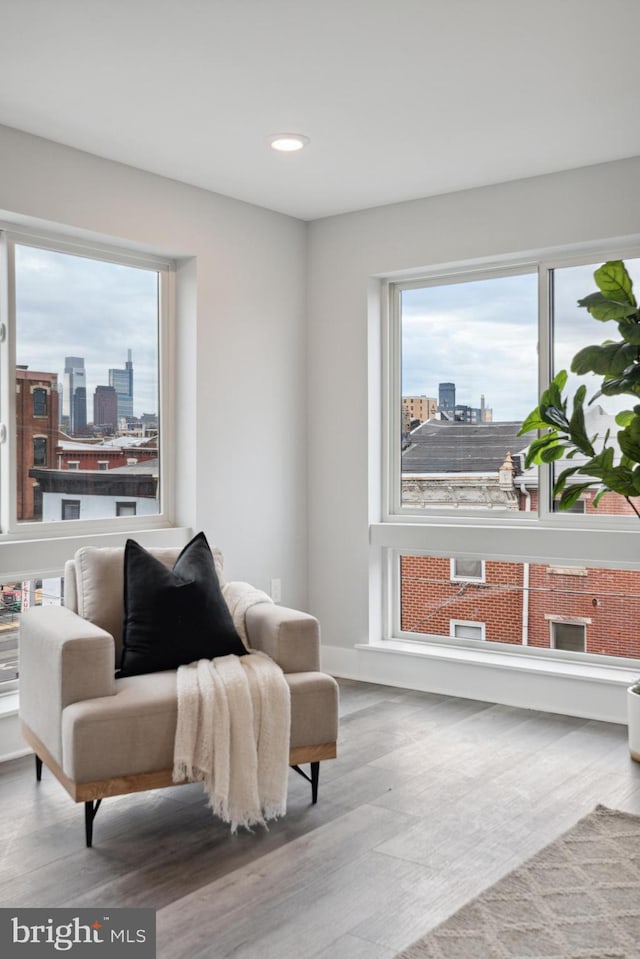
point(103, 736)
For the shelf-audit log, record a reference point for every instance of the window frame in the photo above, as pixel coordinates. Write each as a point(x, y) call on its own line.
point(560, 621)
point(11, 530)
point(40, 391)
point(69, 502)
point(548, 537)
point(40, 441)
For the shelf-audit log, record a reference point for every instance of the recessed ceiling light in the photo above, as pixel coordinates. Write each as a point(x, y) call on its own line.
point(288, 142)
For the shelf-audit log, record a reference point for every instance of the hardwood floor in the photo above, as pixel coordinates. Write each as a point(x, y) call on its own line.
point(431, 800)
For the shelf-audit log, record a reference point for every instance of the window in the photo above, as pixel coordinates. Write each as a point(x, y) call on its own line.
point(87, 326)
point(70, 509)
point(467, 343)
point(522, 605)
point(125, 509)
point(14, 599)
point(39, 402)
point(570, 637)
point(467, 346)
point(39, 451)
point(469, 569)
point(464, 630)
point(85, 364)
point(473, 345)
point(580, 506)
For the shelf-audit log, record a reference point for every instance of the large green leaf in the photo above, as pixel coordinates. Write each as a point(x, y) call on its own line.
point(609, 359)
point(533, 422)
point(577, 429)
point(630, 331)
point(572, 494)
point(628, 383)
point(554, 416)
point(629, 446)
point(604, 309)
point(552, 453)
point(614, 282)
point(624, 417)
point(536, 447)
point(562, 478)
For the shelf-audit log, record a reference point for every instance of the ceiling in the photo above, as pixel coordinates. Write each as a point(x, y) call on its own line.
point(400, 98)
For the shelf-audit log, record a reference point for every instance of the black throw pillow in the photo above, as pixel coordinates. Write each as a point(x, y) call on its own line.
point(174, 616)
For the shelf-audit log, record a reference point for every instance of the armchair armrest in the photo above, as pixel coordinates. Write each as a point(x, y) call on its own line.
point(288, 636)
point(63, 659)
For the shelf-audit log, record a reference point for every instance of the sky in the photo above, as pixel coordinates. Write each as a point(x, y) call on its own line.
point(74, 306)
point(482, 336)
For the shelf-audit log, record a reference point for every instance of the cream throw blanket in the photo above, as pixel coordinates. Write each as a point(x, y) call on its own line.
point(232, 734)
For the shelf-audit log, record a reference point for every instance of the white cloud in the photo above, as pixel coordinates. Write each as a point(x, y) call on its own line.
point(74, 306)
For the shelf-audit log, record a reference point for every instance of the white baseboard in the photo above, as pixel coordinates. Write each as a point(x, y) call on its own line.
point(569, 689)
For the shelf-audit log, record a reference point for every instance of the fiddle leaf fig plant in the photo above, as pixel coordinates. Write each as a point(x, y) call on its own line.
point(606, 464)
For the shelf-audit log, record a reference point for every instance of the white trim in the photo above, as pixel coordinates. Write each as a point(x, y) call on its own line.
point(95, 530)
point(45, 558)
point(91, 249)
point(568, 688)
point(549, 544)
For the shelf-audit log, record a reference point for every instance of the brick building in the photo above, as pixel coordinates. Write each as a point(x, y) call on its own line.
point(575, 609)
point(37, 435)
point(91, 456)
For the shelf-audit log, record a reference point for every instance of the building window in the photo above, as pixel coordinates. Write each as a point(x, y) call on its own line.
point(460, 629)
point(570, 637)
point(73, 464)
point(103, 464)
point(467, 569)
point(580, 506)
point(39, 401)
point(39, 451)
point(125, 509)
point(70, 509)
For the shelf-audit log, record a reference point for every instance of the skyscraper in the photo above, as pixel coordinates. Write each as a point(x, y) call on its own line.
point(447, 399)
point(122, 382)
point(74, 395)
point(105, 407)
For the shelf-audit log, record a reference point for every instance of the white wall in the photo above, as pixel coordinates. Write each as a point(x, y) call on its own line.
point(345, 253)
point(240, 345)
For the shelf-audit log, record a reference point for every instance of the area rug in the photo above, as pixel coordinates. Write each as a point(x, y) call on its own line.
point(579, 898)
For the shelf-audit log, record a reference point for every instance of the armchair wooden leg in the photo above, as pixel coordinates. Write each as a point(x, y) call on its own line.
point(90, 810)
point(38, 768)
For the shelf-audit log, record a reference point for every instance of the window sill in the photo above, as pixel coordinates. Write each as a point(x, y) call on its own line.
point(591, 691)
point(604, 673)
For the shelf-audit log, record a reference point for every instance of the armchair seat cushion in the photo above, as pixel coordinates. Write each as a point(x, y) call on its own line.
point(133, 731)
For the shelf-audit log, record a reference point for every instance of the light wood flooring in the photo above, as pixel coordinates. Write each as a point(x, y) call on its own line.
point(431, 800)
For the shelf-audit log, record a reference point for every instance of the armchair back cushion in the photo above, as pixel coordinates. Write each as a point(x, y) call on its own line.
point(94, 585)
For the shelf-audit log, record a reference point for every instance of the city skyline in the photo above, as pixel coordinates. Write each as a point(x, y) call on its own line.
point(98, 311)
point(483, 336)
